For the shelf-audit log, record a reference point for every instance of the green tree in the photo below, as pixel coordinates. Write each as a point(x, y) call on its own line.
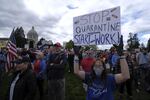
point(136, 43)
point(133, 41)
point(69, 45)
point(20, 37)
point(94, 47)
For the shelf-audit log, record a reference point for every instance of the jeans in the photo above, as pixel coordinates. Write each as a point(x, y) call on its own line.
point(56, 89)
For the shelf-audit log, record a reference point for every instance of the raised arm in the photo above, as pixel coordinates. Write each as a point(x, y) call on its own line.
point(124, 75)
point(77, 71)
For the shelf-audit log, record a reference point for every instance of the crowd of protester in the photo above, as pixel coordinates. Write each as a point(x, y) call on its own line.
point(100, 70)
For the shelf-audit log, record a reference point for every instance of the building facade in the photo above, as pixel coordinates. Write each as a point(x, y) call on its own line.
point(32, 37)
point(3, 42)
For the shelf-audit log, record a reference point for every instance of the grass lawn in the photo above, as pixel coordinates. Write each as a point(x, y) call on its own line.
point(74, 90)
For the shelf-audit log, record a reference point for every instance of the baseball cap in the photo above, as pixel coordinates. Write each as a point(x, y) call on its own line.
point(57, 44)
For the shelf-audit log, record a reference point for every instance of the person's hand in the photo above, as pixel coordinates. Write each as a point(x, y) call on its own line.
point(119, 47)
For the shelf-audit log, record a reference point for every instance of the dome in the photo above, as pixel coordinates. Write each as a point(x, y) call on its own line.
point(32, 34)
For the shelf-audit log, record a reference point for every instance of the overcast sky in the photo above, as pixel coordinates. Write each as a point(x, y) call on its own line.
point(53, 19)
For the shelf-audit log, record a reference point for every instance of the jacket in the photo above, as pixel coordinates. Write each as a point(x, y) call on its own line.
point(57, 69)
point(25, 87)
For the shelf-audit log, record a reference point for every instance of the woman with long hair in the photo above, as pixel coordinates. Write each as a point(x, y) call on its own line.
point(101, 85)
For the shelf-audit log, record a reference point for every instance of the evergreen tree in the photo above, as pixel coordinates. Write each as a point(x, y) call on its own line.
point(20, 37)
point(136, 43)
point(69, 45)
point(133, 41)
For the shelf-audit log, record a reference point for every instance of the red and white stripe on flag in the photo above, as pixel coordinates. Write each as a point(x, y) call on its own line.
point(11, 55)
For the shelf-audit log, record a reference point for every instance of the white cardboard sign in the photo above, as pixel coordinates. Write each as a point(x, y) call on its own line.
point(98, 28)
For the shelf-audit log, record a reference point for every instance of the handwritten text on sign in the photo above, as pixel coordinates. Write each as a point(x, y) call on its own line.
point(98, 28)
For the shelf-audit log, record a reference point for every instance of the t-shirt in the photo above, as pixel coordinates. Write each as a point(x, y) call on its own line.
point(98, 91)
point(87, 63)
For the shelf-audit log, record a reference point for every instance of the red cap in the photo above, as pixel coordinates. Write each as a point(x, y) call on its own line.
point(57, 44)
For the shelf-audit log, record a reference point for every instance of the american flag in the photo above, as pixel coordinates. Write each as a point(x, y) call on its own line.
point(12, 50)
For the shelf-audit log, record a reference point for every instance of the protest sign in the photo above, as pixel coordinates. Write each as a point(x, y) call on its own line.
point(98, 28)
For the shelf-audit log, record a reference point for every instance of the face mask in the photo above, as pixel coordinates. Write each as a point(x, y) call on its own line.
point(98, 71)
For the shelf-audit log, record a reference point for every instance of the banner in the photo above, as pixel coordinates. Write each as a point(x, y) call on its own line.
point(98, 28)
